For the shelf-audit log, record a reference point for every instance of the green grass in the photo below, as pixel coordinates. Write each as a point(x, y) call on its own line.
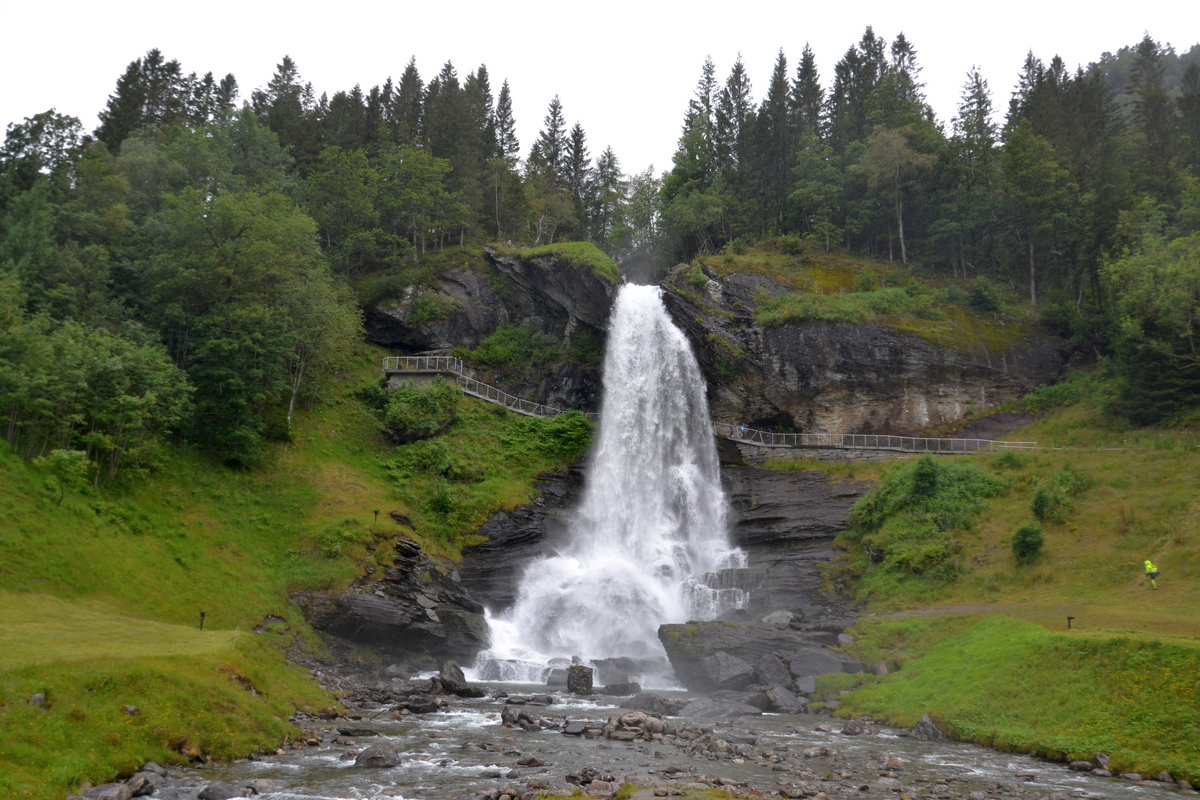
point(106, 716)
point(583, 255)
point(485, 462)
point(1016, 686)
point(43, 629)
point(989, 656)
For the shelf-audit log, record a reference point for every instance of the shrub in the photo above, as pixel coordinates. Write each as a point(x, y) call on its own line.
point(418, 412)
point(1027, 543)
point(983, 297)
point(1051, 504)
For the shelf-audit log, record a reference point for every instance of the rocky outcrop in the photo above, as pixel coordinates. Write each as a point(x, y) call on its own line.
point(843, 377)
point(491, 571)
point(701, 653)
point(417, 613)
point(548, 294)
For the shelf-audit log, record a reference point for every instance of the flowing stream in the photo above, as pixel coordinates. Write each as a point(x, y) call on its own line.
point(649, 540)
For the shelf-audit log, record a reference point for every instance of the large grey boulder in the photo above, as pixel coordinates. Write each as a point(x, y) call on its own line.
point(378, 756)
point(814, 661)
point(709, 708)
point(724, 671)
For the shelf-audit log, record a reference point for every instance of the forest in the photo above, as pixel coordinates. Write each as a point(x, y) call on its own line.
point(196, 267)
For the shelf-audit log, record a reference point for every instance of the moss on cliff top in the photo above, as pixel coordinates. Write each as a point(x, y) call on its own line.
point(580, 255)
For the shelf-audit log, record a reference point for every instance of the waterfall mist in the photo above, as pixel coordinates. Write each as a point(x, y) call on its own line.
point(649, 536)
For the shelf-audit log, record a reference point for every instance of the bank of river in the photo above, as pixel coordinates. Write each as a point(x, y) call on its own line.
point(464, 751)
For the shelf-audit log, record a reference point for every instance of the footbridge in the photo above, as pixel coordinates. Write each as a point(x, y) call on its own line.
point(454, 370)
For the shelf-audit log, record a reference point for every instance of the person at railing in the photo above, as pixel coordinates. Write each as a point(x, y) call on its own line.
point(743, 430)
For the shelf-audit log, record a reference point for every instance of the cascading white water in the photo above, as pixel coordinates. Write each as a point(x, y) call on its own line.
point(650, 532)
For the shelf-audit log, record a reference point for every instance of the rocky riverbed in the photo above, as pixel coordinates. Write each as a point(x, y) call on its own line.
point(417, 741)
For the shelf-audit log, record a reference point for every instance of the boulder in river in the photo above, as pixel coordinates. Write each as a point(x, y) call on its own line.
point(579, 679)
point(378, 756)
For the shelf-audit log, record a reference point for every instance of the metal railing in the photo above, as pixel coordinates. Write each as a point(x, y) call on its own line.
point(453, 367)
point(865, 441)
point(423, 364)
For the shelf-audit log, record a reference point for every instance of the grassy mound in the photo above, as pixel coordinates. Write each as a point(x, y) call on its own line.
point(1065, 695)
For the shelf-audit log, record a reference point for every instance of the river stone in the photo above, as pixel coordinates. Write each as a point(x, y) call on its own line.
point(814, 661)
point(927, 731)
point(806, 684)
point(770, 671)
point(145, 783)
point(220, 790)
point(109, 791)
point(357, 732)
point(622, 689)
point(854, 727)
point(784, 701)
point(453, 681)
point(647, 701)
point(710, 708)
point(378, 755)
point(579, 679)
point(724, 671)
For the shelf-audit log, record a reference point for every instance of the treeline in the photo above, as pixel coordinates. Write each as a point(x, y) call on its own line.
point(195, 266)
point(1084, 200)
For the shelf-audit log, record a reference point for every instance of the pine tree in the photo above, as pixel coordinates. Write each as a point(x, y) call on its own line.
point(405, 112)
point(808, 98)
point(507, 144)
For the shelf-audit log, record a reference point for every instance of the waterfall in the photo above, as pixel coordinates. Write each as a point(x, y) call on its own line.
point(649, 537)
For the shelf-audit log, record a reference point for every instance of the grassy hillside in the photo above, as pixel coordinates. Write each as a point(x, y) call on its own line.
point(988, 653)
point(101, 593)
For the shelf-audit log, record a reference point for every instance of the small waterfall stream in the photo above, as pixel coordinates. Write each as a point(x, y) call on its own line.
point(649, 538)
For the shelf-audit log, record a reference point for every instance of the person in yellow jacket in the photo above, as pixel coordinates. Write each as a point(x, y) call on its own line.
point(1151, 573)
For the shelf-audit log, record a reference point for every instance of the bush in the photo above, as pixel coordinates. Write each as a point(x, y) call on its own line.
point(1051, 504)
point(413, 413)
point(983, 297)
point(1027, 543)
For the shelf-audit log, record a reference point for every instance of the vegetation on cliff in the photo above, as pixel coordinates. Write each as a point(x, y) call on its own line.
point(1066, 654)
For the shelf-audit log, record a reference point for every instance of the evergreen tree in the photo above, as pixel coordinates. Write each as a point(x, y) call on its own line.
point(808, 98)
point(404, 114)
point(507, 144)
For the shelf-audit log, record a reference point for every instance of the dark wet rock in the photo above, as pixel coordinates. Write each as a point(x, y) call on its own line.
point(708, 707)
point(490, 571)
point(579, 679)
point(357, 732)
point(854, 727)
point(689, 644)
point(814, 661)
point(653, 703)
point(723, 671)
point(421, 705)
point(927, 730)
point(769, 670)
point(219, 790)
point(453, 681)
point(622, 689)
point(417, 612)
point(145, 782)
point(784, 701)
point(378, 756)
point(110, 791)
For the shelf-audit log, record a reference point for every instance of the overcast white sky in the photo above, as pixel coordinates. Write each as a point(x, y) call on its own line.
point(624, 70)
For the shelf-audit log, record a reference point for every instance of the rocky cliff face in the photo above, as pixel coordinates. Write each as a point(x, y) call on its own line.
point(840, 377)
point(547, 294)
point(417, 613)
